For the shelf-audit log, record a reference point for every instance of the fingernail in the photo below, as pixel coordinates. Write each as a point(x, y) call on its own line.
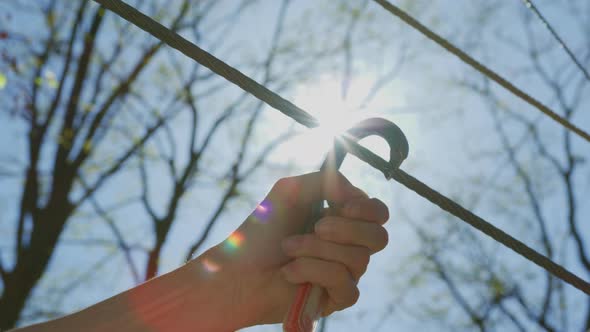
point(288, 274)
point(354, 191)
point(352, 209)
point(285, 270)
point(291, 244)
point(322, 228)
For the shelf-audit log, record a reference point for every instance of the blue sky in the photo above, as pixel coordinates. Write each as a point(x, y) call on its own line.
point(451, 140)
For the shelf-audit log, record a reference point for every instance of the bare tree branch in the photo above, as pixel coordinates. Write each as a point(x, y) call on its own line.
point(122, 244)
point(355, 15)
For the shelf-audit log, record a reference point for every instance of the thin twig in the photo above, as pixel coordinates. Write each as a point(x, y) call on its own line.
point(531, 5)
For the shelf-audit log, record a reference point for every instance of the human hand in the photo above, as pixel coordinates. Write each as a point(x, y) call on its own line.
point(251, 278)
point(265, 259)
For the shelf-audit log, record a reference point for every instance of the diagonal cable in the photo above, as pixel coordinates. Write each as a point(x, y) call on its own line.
point(393, 9)
point(531, 5)
point(271, 98)
point(217, 66)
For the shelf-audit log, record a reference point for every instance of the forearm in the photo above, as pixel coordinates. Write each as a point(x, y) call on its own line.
point(191, 298)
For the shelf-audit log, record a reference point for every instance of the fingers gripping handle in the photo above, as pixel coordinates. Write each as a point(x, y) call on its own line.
point(307, 306)
point(306, 309)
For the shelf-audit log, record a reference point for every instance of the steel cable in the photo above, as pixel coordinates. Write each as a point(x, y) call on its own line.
point(393, 9)
point(531, 5)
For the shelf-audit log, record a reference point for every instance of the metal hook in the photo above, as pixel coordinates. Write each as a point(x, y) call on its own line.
point(393, 135)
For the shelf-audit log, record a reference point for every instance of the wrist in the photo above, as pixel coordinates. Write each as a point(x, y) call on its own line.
point(222, 291)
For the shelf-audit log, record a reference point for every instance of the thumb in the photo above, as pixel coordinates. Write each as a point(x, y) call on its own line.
point(322, 185)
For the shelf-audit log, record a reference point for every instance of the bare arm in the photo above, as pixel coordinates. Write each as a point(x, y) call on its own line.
point(251, 277)
point(190, 298)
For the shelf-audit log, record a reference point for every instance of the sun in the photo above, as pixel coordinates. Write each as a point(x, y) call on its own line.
point(323, 99)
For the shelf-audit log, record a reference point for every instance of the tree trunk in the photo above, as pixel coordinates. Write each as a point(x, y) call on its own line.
point(13, 299)
point(152, 265)
point(31, 263)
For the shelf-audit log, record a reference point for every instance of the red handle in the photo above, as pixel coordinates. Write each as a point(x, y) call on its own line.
point(305, 310)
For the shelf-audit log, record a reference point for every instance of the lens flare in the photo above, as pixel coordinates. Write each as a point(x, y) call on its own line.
point(261, 208)
point(210, 266)
point(234, 241)
point(262, 212)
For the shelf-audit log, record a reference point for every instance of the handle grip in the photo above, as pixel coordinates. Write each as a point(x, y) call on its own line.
point(305, 310)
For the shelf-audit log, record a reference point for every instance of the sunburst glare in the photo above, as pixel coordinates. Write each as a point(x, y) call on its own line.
point(324, 100)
